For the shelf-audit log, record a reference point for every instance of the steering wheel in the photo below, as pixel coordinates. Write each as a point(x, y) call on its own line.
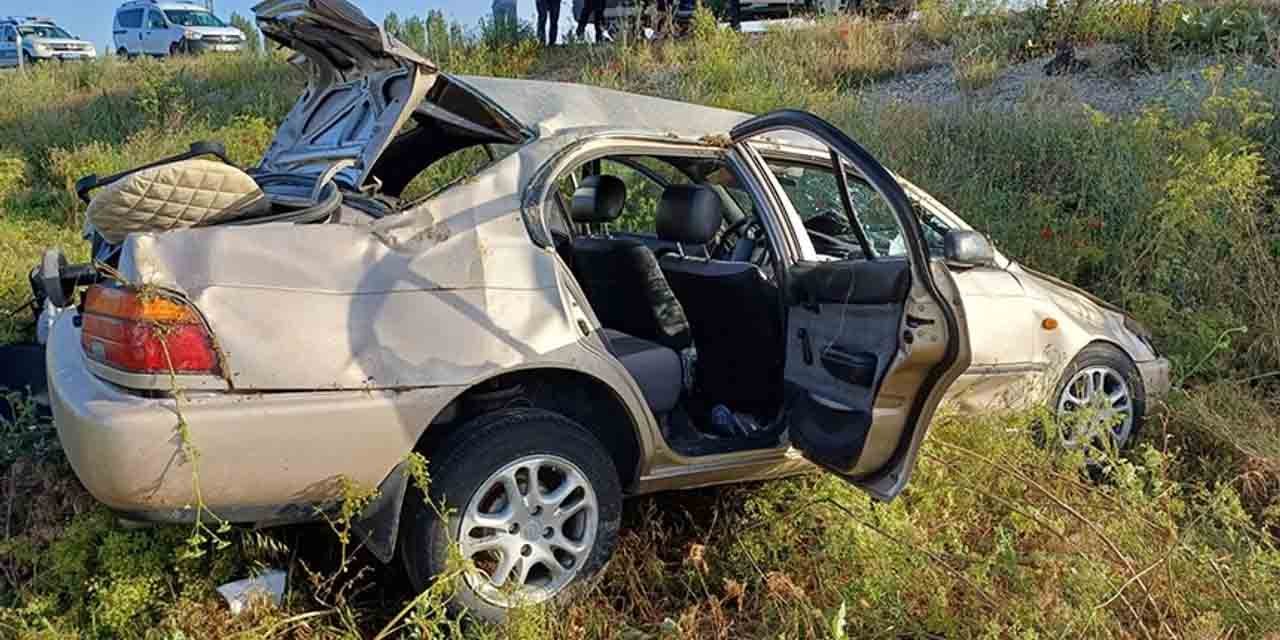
point(832, 243)
point(736, 230)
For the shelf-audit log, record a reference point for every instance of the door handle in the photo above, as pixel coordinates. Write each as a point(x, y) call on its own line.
point(858, 369)
point(916, 321)
point(806, 349)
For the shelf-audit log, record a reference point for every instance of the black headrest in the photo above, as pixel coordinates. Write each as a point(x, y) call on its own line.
point(598, 199)
point(689, 214)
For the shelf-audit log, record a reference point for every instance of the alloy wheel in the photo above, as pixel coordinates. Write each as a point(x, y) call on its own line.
point(1096, 400)
point(529, 530)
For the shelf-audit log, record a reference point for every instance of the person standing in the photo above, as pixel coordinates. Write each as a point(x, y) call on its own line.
point(592, 10)
point(548, 22)
point(662, 26)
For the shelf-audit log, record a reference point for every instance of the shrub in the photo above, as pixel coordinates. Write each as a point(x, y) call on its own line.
point(1230, 28)
point(13, 175)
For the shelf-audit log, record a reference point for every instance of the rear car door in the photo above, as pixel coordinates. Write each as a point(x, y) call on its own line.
point(873, 341)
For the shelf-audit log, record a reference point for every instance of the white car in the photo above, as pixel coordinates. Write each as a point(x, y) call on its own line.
point(148, 27)
point(37, 40)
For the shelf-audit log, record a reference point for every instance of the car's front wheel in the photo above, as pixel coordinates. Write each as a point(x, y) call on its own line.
point(530, 498)
point(1100, 399)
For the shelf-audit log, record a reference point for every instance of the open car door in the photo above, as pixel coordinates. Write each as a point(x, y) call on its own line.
point(873, 341)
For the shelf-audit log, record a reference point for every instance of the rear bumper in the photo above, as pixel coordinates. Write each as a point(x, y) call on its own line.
point(1155, 377)
point(261, 457)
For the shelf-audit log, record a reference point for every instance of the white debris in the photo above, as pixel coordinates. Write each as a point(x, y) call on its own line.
point(268, 585)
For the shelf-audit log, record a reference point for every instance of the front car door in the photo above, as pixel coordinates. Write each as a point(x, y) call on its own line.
point(873, 341)
point(155, 34)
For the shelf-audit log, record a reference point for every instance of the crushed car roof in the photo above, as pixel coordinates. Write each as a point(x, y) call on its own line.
point(556, 107)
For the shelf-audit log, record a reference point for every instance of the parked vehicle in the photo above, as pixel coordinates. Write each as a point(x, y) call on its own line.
point(618, 13)
point(41, 40)
point(779, 302)
point(159, 28)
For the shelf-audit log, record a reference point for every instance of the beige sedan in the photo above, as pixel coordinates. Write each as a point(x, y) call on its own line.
point(620, 294)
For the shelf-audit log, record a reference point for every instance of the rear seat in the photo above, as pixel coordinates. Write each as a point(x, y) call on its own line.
point(654, 367)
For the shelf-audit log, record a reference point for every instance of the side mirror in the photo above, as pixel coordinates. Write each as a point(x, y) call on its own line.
point(965, 248)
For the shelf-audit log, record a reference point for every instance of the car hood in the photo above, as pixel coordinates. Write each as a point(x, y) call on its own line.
point(363, 87)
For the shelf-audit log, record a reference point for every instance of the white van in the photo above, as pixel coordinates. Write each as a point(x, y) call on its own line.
point(154, 28)
point(37, 40)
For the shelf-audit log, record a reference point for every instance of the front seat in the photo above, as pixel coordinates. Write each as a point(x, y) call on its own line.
point(733, 310)
point(620, 276)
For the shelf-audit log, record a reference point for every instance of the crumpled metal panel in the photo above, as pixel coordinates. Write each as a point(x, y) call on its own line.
point(363, 86)
point(555, 107)
point(447, 293)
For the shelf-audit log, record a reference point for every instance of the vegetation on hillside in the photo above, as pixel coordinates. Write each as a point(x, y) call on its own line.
point(1168, 213)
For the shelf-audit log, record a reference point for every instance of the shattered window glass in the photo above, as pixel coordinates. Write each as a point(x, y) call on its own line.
point(814, 191)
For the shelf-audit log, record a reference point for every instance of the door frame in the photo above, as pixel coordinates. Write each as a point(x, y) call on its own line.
point(893, 476)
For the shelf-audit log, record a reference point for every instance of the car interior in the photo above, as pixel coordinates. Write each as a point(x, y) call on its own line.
point(671, 254)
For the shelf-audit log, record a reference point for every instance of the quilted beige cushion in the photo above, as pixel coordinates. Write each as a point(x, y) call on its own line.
point(174, 196)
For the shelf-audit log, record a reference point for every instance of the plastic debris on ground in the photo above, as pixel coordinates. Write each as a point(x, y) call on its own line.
point(268, 585)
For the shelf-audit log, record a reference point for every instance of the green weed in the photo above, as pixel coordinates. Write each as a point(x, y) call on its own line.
point(1167, 212)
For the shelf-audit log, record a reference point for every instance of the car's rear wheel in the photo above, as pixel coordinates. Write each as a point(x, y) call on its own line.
point(533, 502)
point(1100, 400)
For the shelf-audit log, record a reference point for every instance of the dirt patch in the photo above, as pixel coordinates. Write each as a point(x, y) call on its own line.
point(1104, 86)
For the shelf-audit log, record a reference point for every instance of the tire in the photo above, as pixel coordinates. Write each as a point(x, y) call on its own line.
point(1104, 366)
point(123, 54)
point(463, 469)
point(175, 49)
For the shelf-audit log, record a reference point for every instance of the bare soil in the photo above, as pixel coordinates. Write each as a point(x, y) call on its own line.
point(1109, 85)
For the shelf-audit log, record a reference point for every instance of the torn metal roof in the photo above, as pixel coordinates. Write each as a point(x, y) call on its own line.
point(556, 107)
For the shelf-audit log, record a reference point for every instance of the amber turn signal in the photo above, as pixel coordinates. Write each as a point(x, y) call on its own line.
point(145, 332)
point(1049, 324)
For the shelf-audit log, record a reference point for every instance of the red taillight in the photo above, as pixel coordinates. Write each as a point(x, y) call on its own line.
point(145, 332)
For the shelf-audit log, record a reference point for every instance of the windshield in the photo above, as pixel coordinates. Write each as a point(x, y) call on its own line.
point(42, 31)
point(191, 18)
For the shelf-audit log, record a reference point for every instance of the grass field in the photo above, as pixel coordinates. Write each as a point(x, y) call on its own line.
point(1168, 212)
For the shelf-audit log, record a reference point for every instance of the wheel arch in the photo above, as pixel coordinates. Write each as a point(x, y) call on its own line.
point(584, 398)
point(1099, 341)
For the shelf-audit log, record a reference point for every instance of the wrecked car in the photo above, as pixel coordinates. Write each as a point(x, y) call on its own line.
point(620, 295)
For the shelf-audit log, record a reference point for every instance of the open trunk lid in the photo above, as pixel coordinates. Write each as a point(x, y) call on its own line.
point(364, 85)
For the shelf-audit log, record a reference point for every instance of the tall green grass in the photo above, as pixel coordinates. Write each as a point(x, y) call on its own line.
point(1168, 213)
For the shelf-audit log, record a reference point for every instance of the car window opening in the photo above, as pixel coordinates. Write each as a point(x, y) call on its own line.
point(674, 260)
